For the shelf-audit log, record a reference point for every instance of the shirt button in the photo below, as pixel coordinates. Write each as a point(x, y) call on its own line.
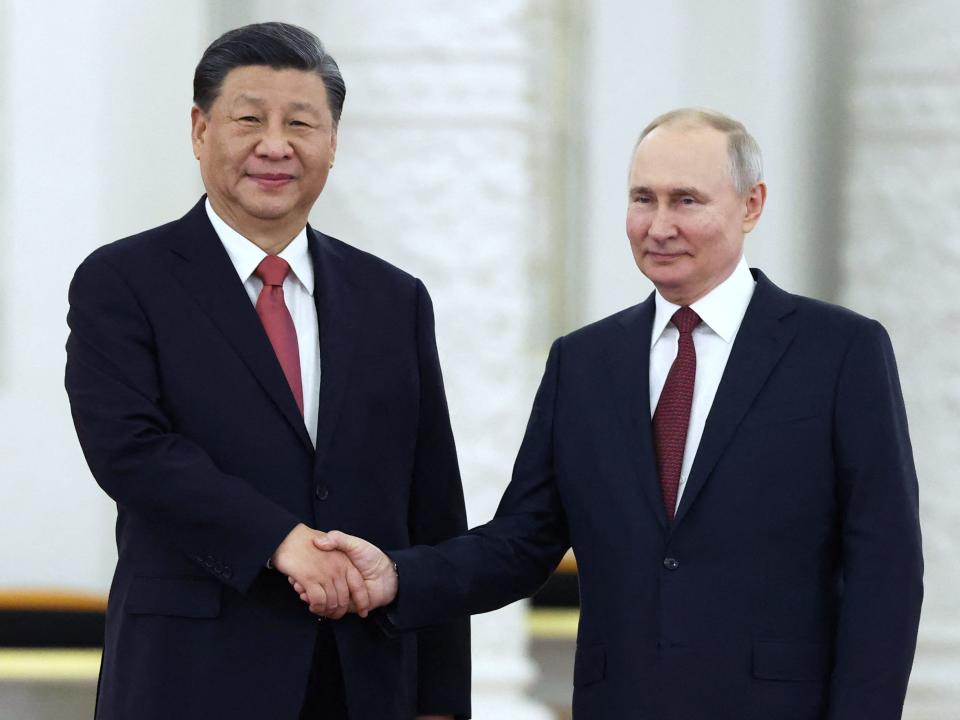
point(322, 492)
point(671, 563)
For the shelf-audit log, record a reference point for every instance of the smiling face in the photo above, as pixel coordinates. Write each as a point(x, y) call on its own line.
point(265, 149)
point(685, 220)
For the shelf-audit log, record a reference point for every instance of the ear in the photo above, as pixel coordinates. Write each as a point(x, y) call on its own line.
point(198, 123)
point(753, 203)
point(333, 145)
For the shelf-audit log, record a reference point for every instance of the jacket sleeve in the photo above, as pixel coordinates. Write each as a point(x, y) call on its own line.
point(218, 521)
point(510, 557)
point(882, 562)
point(437, 513)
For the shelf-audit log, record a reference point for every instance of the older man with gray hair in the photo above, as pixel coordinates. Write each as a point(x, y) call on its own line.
point(730, 463)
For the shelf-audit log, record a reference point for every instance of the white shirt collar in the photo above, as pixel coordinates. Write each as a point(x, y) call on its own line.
point(722, 309)
point(245, 255)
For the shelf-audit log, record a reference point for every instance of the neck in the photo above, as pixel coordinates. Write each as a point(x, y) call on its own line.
point(686, 297)
point(271, 236)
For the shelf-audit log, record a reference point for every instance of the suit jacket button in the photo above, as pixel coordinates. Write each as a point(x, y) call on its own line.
point(322, 492)
point(209, 561)
point(671, 563)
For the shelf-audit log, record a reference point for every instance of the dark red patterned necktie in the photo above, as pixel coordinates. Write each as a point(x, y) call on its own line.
point(277, 322)
point(672, 416)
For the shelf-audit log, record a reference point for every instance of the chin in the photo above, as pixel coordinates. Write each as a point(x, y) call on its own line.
point(664, 275)
point(267, 210)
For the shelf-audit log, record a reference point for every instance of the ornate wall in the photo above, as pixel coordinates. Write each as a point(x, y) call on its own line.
point(901, 262)
point(440, 170)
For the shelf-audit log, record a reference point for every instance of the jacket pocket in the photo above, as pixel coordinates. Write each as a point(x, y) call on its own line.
point(796, 661)
point(589, 665)
point(193, 597)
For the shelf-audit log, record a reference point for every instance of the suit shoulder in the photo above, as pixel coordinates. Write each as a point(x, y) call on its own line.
point(366, 264)
point(133, 248)
point(600, 328)
point(129, 257)
point(830, 317)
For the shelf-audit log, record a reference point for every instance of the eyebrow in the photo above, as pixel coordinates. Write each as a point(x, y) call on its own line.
point(673, 192)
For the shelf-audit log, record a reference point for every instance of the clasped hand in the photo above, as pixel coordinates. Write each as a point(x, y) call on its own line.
point(335, 573)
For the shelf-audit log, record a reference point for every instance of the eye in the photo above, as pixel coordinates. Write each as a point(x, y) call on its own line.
point(688, 200)
point(249, 119)
point(300, 123)
point(642, 199)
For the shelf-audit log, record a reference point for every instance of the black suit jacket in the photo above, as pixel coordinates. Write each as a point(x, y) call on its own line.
point(789, 585)
point(186, 420)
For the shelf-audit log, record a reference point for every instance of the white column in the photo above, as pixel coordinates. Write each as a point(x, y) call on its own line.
point(773, 66)
point(436, 172)
point(901, 265)
point(96, 100)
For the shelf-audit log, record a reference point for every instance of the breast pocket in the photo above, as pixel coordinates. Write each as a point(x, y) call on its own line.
point(788, 414)
point(192, 597)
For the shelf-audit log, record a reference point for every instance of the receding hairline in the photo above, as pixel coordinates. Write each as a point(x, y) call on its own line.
point(691, 118)
point(746, 163)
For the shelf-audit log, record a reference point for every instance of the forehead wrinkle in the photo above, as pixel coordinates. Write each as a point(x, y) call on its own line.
point(248, 98)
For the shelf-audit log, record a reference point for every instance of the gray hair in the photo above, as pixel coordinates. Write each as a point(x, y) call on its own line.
point(746, 162)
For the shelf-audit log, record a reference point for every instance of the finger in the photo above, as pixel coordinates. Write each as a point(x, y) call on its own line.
point(305, 598)
point(343, 596)
point(332, 602)
point(298, 587)
point(325, 542)
point(359, 595)
point(317, 599)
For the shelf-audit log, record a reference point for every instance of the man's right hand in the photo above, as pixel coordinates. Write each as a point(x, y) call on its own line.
point(377, 570)
point(328, 579)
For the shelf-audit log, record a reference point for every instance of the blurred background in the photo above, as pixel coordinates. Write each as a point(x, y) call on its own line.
point(484, 148)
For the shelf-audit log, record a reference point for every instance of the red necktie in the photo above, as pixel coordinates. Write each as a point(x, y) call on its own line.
point(672, 417)
point(277, 321)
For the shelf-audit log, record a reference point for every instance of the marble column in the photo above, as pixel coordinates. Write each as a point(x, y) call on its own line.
point(438, 171)
point(901, 262)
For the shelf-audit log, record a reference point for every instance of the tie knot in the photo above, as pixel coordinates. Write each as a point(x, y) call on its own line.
point(685, 319)
point(272, 270)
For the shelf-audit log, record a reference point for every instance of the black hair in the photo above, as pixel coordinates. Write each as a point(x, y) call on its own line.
point(277, 45)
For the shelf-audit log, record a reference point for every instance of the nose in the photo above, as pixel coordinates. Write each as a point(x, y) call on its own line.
point(273, 143)
point(662, 227)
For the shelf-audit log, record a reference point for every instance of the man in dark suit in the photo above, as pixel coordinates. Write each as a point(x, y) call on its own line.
point(237, 379)
point(731, 465)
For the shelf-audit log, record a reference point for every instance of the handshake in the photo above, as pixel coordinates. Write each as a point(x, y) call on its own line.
point(335, 573)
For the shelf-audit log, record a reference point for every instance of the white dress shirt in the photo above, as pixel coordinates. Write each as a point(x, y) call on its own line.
point(721, 310)
point(298, 288)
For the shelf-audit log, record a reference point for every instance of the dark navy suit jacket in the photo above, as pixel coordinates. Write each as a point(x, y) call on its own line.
point(789, 585)
point(187, 422)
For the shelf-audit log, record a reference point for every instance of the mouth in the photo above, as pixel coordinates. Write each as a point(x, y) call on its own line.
point(270, 180)
point(664, 257)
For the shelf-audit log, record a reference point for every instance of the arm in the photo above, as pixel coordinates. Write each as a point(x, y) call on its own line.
point(437, 513)
point(493, 565)
point(508, 558)
point(882, 562)
point(218, 521)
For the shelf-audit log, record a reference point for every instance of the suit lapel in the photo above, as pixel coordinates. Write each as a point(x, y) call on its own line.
point(764, 335)
point(340, 305)
point(629, 361)
point(206, 273)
